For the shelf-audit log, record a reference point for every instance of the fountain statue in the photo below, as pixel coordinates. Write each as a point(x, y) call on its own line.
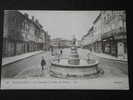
point(73, 66)
point(74, 57)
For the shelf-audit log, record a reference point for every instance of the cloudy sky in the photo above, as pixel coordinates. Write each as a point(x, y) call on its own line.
point(64, 24)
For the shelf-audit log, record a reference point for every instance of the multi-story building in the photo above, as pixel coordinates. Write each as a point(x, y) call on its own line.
point(47, 41)
point(21, 34)
point(97, 44)
point(114, 37)
point(88, 39)
point(109, 34)
point(12, 25)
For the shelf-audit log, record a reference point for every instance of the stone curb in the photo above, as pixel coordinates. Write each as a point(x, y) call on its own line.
point(3, 65)
point(121, 61)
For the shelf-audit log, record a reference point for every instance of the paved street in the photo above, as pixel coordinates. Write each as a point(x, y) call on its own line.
point(27, 64)
point(30, 67)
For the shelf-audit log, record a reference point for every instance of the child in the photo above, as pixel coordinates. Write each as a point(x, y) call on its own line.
point(43, 63)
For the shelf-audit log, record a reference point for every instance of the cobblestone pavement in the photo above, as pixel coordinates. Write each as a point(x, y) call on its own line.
point(30, 67)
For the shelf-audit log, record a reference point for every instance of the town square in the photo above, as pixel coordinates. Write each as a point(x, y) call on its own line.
point(88, 47)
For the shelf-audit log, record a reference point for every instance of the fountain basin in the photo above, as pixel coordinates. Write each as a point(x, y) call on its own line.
point(64, 69)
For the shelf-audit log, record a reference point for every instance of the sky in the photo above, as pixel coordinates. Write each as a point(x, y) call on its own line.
point(64, 24)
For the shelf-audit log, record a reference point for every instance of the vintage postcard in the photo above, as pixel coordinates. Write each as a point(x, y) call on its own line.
point(52, 49)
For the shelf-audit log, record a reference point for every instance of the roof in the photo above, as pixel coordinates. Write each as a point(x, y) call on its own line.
point(90, 30)
point(97, 18)
point(31, 21)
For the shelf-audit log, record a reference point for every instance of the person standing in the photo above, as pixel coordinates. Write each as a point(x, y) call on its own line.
point(43, 63)
point(61, 52)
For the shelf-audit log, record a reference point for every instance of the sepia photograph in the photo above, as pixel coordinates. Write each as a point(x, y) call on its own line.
point(56, 49)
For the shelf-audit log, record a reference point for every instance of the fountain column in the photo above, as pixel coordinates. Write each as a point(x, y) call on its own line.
point(74, 56)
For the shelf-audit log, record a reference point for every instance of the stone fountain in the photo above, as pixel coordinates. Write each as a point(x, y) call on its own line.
point(73, 66)
point(74, 57)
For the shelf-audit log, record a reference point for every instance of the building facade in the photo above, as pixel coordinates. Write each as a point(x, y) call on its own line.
point(109, 34)
point(97, 44)
point(47, 41)
point(21, 34)
point(60, 43)
point(88, 39)
point(114, 35)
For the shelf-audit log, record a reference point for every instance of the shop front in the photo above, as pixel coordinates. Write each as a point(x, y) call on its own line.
point(109, 44)
point(121, 45)
point(115, 43)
